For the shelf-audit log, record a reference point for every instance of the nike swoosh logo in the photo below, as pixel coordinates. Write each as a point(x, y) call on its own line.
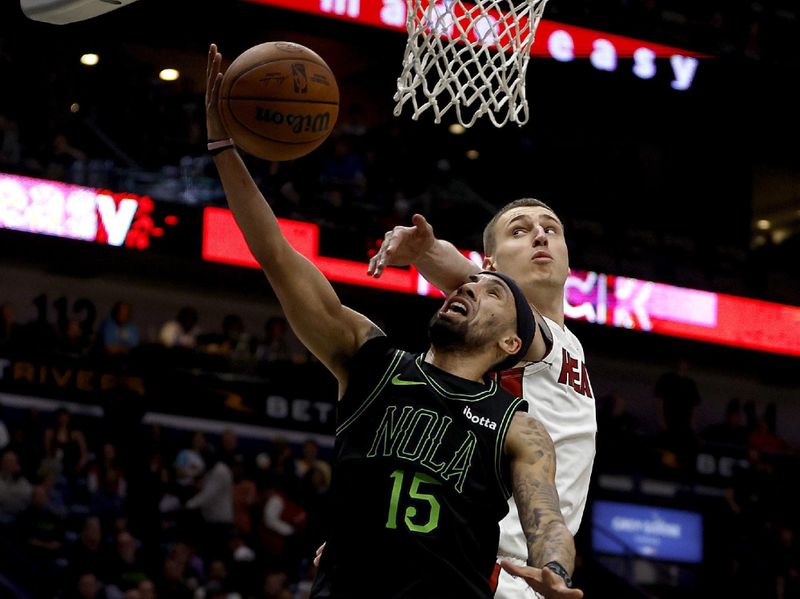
point(398, 381)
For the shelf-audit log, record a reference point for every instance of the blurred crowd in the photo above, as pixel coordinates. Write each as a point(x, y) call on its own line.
point(163, 513)
point(738, 472)
point(112, 340)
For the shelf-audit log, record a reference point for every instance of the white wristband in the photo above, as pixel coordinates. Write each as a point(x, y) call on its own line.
point(220, 145)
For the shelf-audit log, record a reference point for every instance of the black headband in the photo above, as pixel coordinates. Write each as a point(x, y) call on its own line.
point(526, 325)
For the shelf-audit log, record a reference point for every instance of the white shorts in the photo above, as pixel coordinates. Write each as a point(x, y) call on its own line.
point(513, 587)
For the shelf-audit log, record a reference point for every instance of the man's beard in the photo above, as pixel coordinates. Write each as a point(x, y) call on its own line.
point(446, 334)
point(453, 336)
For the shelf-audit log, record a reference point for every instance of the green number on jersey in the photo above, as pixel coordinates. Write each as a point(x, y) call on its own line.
point(411, 511)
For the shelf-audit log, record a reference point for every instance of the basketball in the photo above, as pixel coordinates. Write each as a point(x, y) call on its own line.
point(279, 101)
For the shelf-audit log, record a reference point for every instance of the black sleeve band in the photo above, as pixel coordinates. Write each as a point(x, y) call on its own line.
point(561, 571)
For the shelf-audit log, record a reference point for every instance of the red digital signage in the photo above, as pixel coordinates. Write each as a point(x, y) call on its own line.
point(593, 297)
point(557, 41)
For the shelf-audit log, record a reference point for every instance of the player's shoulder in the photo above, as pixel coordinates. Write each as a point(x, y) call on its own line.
point(375, 352)
point(568, 339)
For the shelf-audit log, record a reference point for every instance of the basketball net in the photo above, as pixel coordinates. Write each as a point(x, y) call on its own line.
point(470, 56)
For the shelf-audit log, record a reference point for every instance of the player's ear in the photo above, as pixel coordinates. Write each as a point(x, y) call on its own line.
point(510, 344)
point(488, 264)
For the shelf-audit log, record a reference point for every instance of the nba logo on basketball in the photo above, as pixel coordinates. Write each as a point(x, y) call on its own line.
point(300, 78)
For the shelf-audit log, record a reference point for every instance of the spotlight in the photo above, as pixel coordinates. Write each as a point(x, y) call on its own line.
point(90, 59)
point(169, 74)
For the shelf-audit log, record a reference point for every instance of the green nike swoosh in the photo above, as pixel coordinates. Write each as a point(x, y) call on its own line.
point(398, 381)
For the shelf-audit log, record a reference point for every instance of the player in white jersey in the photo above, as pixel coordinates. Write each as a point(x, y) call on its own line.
point(524, 240)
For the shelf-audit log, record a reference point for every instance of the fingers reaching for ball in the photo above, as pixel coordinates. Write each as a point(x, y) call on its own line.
point(214, 125)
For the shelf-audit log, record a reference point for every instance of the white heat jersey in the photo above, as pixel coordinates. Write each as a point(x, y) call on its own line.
point(560, 396)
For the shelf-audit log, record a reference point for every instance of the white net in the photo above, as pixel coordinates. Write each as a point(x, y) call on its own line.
point(470, 56)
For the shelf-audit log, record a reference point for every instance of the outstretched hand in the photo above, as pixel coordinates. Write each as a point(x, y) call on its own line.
point(214, 125)
point(544, 581)
point(402, 246)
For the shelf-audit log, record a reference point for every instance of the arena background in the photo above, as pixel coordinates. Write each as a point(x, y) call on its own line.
point(695, 188)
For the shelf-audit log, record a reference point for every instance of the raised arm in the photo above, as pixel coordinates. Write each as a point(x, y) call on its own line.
point(331, 331)
point(550, 544)
point(443, 265)
point(437, 260)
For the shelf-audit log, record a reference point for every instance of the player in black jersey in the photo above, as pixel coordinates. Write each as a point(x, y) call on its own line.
point(428, 449)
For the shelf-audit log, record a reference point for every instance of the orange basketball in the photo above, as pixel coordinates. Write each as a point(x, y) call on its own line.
point(279, 100)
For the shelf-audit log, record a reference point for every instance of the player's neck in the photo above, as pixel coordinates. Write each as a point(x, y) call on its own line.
point(470, 367)
point(549, 304)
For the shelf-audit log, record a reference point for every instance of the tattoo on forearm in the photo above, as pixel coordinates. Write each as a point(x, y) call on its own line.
point(536, 496)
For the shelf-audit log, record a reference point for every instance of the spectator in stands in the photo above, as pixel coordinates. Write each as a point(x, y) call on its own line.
point(87, 554)
point(89, 587)
point(276, 585)
point(10, 148)
point(279, 346)
point(617, 434)
point(72, 340)
point(217, 586)
point(229, 447)
point(311, 460)
point(214, 502)
point(245, 497)
point(233, 343)
point(763, 440)
point(679, 398)
point(118, 335)
point(125, 569)
point(243, 565)
point(65, 447)
point(9, 328)
point(731, 431)
point(786, 563)
point(147, 590)
point(283, 521)
point(149, 482)
point(189, 466)
point(42, 528)
point(313, 496)
point(107, 484)
point(15, 490)
point(181, 331)
point(173, 583)
point(26, 441)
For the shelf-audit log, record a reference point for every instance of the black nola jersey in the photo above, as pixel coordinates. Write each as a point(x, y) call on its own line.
point(420, 481)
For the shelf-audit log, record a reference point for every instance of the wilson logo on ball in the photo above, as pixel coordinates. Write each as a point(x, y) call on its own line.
point(300, 78)
point(279, 100)
point(298, 122)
